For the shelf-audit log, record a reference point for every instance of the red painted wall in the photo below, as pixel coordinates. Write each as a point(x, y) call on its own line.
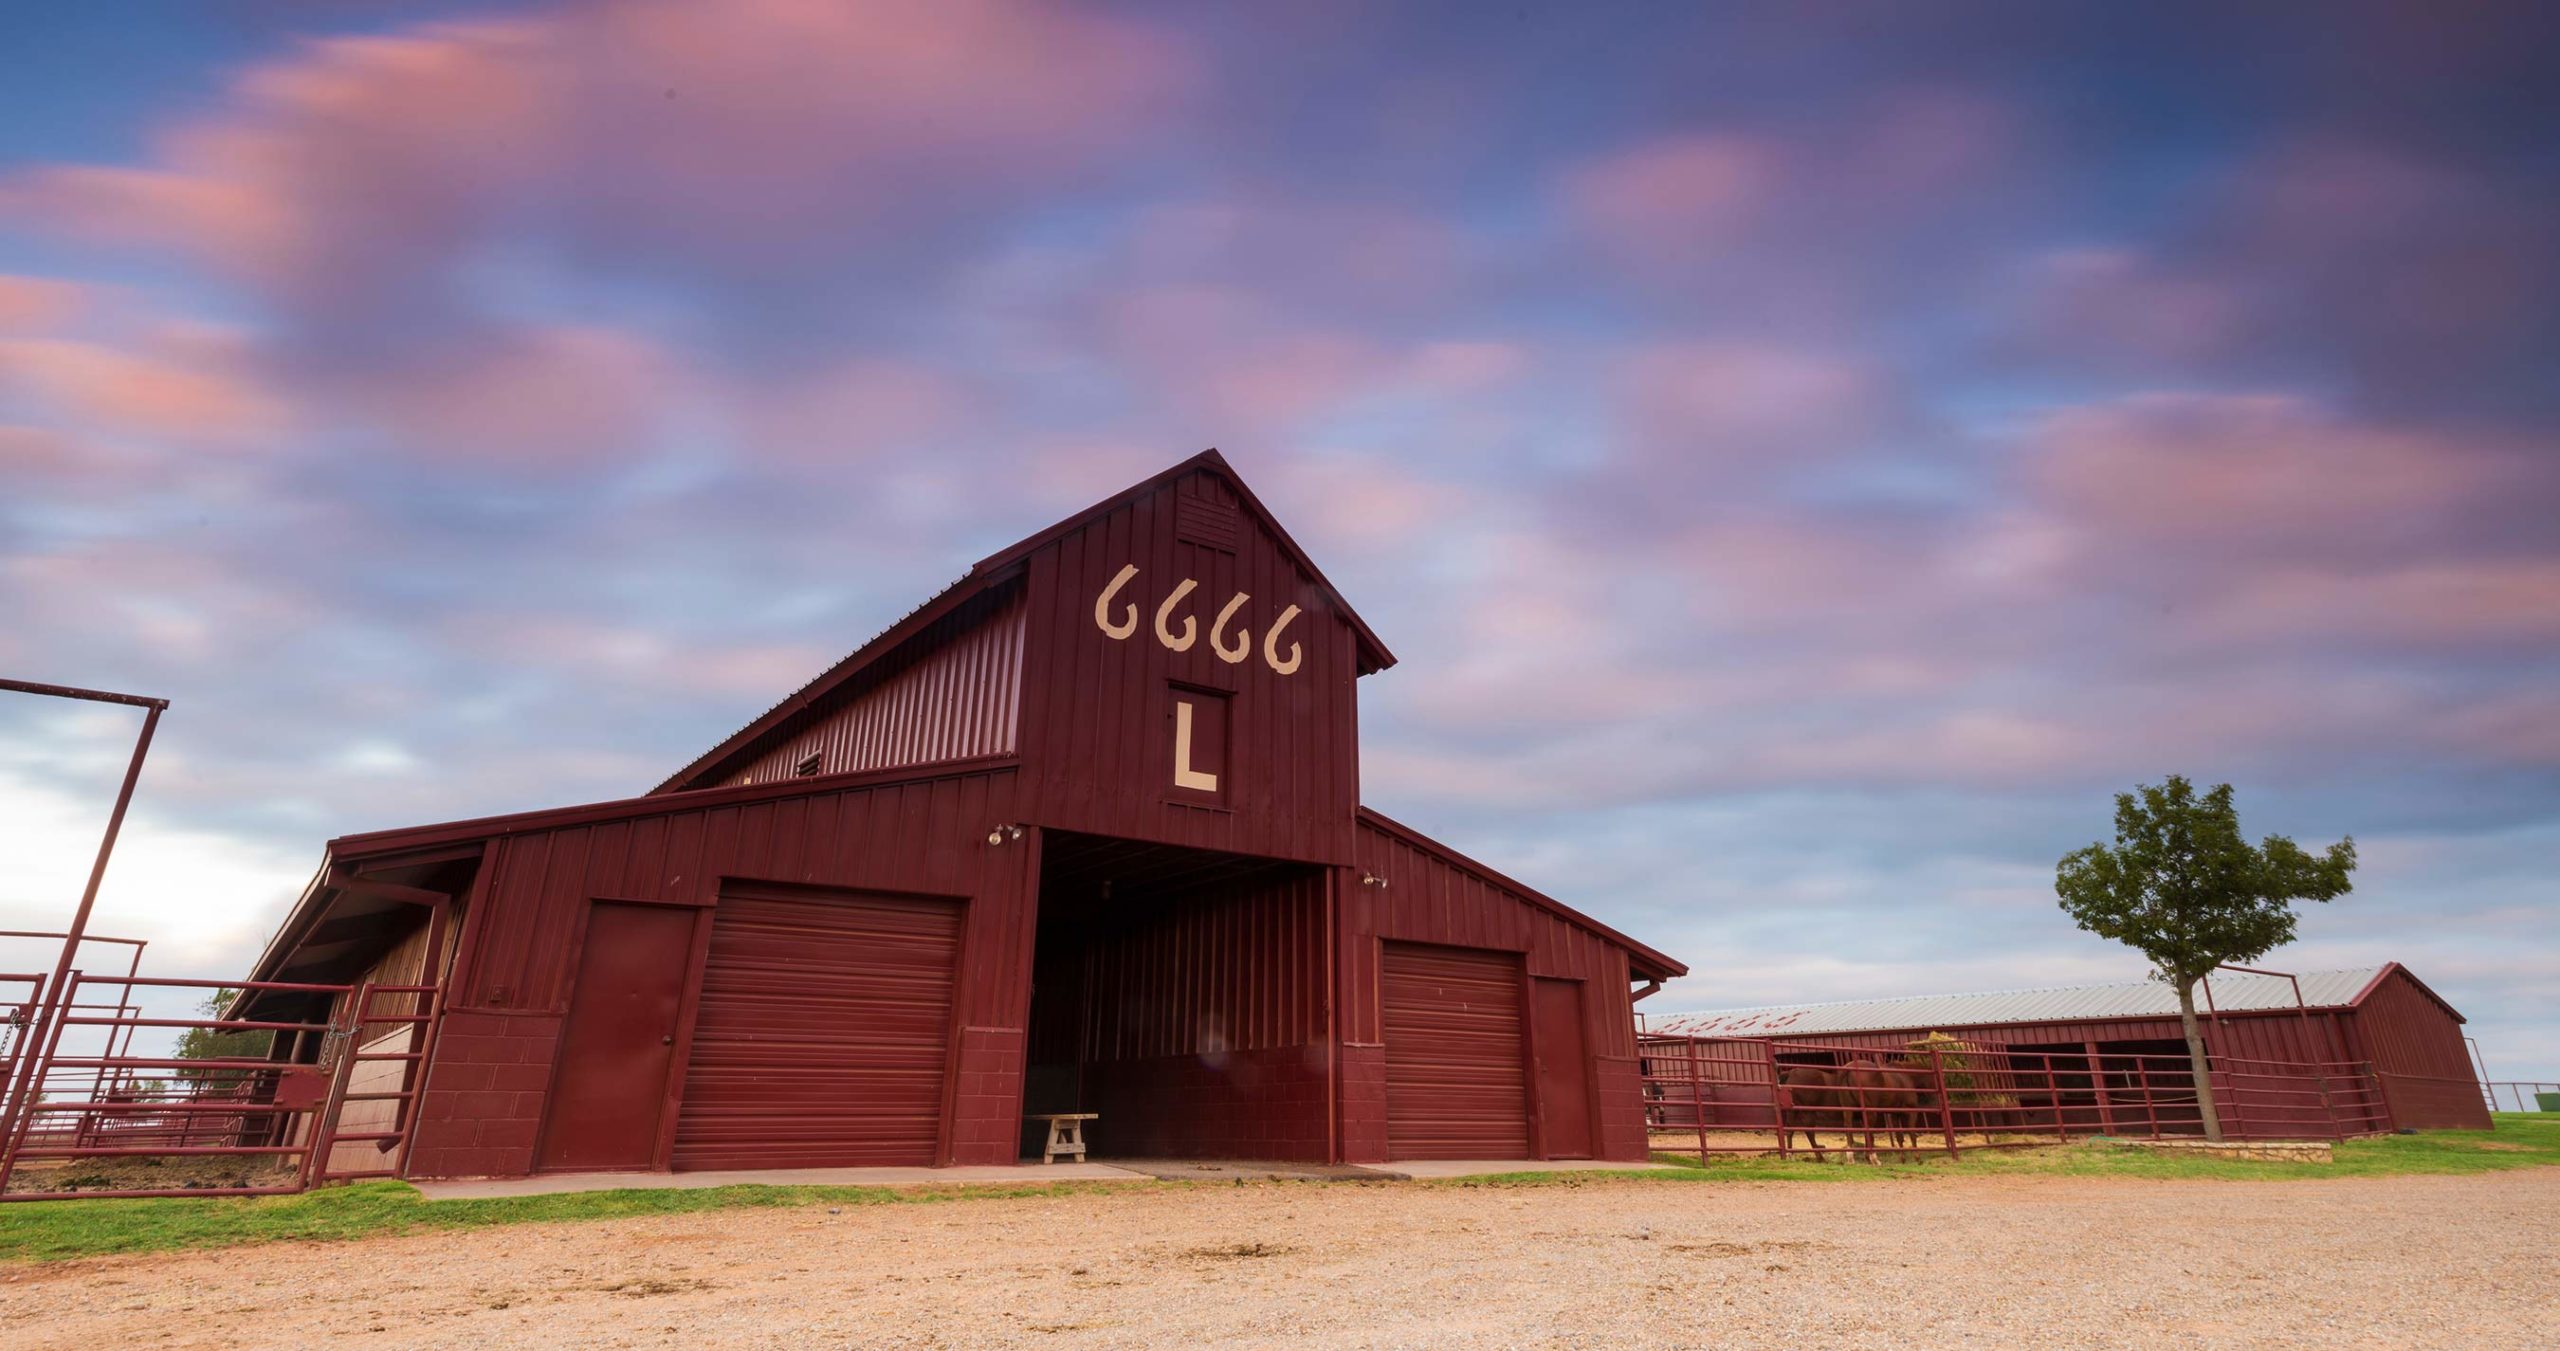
point(958, 699)
point(484, 1094)
point(1431, 898)
point(2416, 1047)
point(1096, 756)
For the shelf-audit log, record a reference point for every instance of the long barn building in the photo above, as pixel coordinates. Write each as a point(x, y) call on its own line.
point(2381, 1016)
point(1082, 833)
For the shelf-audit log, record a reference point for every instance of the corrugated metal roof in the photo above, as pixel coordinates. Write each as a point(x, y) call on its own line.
point(2232, 992)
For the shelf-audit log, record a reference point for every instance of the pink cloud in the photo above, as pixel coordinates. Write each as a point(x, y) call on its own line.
point(2254, 472)
point(1676, 195)
point(544, 394)
point(179, 384)
point(649, 658)
point(854, 409)
point(38, 304)
point(1709, 410)
point(340, 172)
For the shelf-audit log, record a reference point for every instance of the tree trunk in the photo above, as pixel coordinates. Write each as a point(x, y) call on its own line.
point(2195, 1062)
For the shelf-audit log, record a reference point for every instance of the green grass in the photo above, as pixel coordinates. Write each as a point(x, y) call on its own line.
point(2521, 1140)
point(53, 1230)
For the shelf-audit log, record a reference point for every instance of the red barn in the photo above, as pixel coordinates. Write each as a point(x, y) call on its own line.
point(1082, 833)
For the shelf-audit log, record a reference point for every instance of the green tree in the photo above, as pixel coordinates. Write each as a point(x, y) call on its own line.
point(206, 1043)
point(2184, 887)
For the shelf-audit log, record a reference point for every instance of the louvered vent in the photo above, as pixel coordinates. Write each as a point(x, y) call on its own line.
point(1209, 524)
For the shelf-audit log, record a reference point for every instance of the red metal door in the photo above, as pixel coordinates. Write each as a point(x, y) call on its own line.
point(1455, 1082)
point(1564, 1068)
point(618, 1046)
point(823, 1031)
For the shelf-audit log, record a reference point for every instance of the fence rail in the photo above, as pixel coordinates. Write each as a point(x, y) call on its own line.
point(1712, 1096)
point(2517, 1095)
point(91, 1116)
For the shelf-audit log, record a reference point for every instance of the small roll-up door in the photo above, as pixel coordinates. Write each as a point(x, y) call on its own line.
point(1456, 1085)
point(822, 1032)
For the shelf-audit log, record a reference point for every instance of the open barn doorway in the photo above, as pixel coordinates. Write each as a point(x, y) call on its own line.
point(1178, 995)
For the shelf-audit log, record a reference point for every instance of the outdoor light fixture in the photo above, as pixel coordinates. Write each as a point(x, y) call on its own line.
point(1373, 880)
point(1000, 834)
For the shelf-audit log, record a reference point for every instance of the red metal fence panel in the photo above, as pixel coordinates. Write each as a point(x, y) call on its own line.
point(1711, 1096)
point(94, 1117)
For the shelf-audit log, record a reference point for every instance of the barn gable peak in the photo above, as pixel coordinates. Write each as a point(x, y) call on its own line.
point(1203, 527)
point(978, 611)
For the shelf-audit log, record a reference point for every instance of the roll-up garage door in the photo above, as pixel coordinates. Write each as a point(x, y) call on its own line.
point(1455, 1084)
point(822, 1032)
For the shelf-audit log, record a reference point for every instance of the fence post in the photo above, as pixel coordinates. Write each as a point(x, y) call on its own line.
point(2053, 1093)
point(2098, 1086)
point(324, 1122)
point(31, 1076)
point(1778, 1097)
point(1946, 1101)
point(2150, 1109)
point(1697, 1100)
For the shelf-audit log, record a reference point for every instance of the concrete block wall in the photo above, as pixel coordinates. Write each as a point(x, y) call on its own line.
point(481, 1114)
point(986, 1109)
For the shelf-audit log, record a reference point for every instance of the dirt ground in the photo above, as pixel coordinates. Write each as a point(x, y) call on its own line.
point(2035, 1262)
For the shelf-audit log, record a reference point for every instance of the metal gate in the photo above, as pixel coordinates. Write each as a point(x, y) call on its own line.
point(823, 1031)
point(91, 1114)
point(1457, 1087)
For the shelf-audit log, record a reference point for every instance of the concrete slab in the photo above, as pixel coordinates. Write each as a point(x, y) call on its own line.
point(1439, 1168)
point(549, 1184)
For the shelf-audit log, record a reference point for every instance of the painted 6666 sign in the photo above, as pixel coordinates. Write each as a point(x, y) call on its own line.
point(1232, 644)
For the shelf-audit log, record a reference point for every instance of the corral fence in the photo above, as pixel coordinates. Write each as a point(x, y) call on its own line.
point(2521, 1095)
point(89, 1107)
point(1710, 1096)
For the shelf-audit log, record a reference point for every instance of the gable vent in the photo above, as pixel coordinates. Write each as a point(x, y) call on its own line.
point(1208, 523)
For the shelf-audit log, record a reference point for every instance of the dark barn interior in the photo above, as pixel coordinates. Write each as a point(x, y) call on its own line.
point(1180, 995)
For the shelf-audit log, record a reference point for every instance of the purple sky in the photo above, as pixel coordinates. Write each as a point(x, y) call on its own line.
point(1806, 460)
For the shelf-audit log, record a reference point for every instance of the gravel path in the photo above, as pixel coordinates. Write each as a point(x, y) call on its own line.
point(2036, 1262)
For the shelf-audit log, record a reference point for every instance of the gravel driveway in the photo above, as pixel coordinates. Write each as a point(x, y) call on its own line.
point(2400, 1262)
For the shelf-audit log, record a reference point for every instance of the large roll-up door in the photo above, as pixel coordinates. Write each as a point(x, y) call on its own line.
point(1455, 1082)
point(822, 1033)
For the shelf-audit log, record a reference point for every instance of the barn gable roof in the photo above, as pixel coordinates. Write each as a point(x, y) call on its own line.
point(2233, 992)
point(996, 568)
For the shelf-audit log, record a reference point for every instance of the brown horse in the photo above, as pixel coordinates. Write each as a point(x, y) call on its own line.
point(1899, 1097)
point(1856, 1099)
point(1811, 1097)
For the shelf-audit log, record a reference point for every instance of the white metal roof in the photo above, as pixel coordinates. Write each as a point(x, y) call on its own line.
point(2232, 992)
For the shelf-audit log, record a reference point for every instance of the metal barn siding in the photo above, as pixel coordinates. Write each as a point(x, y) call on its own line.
point(926, 836)
point(1093, 736)
point(1457, 1062)
point(1432, 896)
point(822, 1032)
point(2415, 1043)
point(957, 700)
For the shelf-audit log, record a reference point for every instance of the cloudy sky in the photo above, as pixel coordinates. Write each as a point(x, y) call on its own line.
point(1805, 458)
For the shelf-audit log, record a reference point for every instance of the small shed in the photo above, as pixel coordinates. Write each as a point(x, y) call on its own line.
point(2382, 1016)
point(1081, 833)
